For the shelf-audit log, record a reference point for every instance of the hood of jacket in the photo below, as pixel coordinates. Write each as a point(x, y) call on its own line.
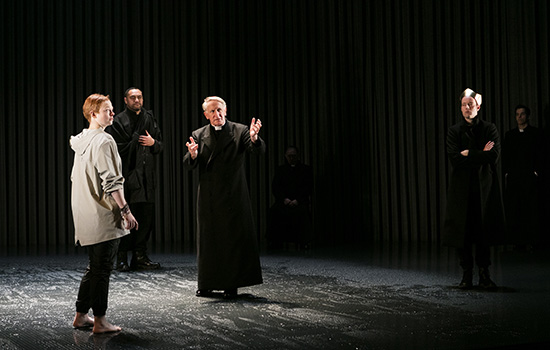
point(81, 142)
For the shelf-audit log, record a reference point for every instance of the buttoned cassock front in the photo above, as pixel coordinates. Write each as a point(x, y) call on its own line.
point(227, 248)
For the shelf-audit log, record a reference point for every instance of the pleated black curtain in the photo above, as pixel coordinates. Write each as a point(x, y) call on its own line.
point(365, 89)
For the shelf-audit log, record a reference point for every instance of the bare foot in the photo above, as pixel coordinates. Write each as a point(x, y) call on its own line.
point(82, 320)
point(101, 325)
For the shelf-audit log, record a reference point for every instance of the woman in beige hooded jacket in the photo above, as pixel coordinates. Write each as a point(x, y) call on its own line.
point(100, 212)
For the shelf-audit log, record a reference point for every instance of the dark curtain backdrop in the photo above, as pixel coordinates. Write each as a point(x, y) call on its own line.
point(366, 89)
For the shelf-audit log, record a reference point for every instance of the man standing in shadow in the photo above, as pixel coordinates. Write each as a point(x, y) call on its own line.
point(290, 216)
point(139, 140)
point(474, 217)
point(522, 164)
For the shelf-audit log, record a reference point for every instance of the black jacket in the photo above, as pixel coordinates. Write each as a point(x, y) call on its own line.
point(475, 174)
point(138, 162)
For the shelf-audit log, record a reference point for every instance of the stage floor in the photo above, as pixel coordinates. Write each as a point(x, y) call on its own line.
point(347, 298)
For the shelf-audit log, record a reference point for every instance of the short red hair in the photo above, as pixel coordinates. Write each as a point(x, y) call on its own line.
point(93, 104)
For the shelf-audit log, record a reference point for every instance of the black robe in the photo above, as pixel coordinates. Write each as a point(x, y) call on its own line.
point(138, 162)
point(291, 223)
point(522, 164)
point(227, 246)
point(473, 183)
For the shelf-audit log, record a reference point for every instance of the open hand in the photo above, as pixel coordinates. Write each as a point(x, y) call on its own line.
point(489, 146)
point(146, 140)
point(193, 148)
point(255, 127)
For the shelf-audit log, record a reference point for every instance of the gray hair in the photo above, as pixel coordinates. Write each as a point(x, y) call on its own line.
point(212, 98)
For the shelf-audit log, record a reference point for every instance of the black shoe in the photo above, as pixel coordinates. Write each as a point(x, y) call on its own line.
point(203, 293)
point(467, 278)
point(123, 266)
point(140, 261)
point(122, 262)
point(230, 293)
point(485, 281)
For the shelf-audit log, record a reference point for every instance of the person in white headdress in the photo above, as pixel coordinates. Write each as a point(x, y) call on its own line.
point(474, 215)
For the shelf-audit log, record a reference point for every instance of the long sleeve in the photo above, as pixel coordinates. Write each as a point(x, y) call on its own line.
point(188, 162)
point(481, 157)
point(108, 165)
point(154, 130)
point(454, 147)
point(458, 140)
point(257, 147)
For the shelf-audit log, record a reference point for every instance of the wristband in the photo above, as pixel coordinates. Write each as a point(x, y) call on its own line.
point(125, 210)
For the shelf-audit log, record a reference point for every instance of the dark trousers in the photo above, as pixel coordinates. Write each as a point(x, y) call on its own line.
point(472, 236)
point(137, 240)
point(523, 210)
point(482, 256)
point(94, 287)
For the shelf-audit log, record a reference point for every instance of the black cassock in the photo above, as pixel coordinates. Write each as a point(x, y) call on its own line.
point(523, 162)
point(138, 162)
point(474, 193)
point(287, 223)
point(227, 246)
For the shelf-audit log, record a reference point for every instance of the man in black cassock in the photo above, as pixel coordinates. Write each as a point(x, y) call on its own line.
point(139, 141)
point(522, 164)
point(289, 218)
point(227, 247)
point(474, 216)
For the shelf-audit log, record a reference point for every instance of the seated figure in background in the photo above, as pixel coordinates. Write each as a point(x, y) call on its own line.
point(289, 219)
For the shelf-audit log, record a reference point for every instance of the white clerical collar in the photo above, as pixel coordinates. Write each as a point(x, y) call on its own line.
point(218, 128)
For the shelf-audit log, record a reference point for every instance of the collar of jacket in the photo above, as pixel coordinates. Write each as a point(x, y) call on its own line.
point(465, 125)
point(133, 114)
